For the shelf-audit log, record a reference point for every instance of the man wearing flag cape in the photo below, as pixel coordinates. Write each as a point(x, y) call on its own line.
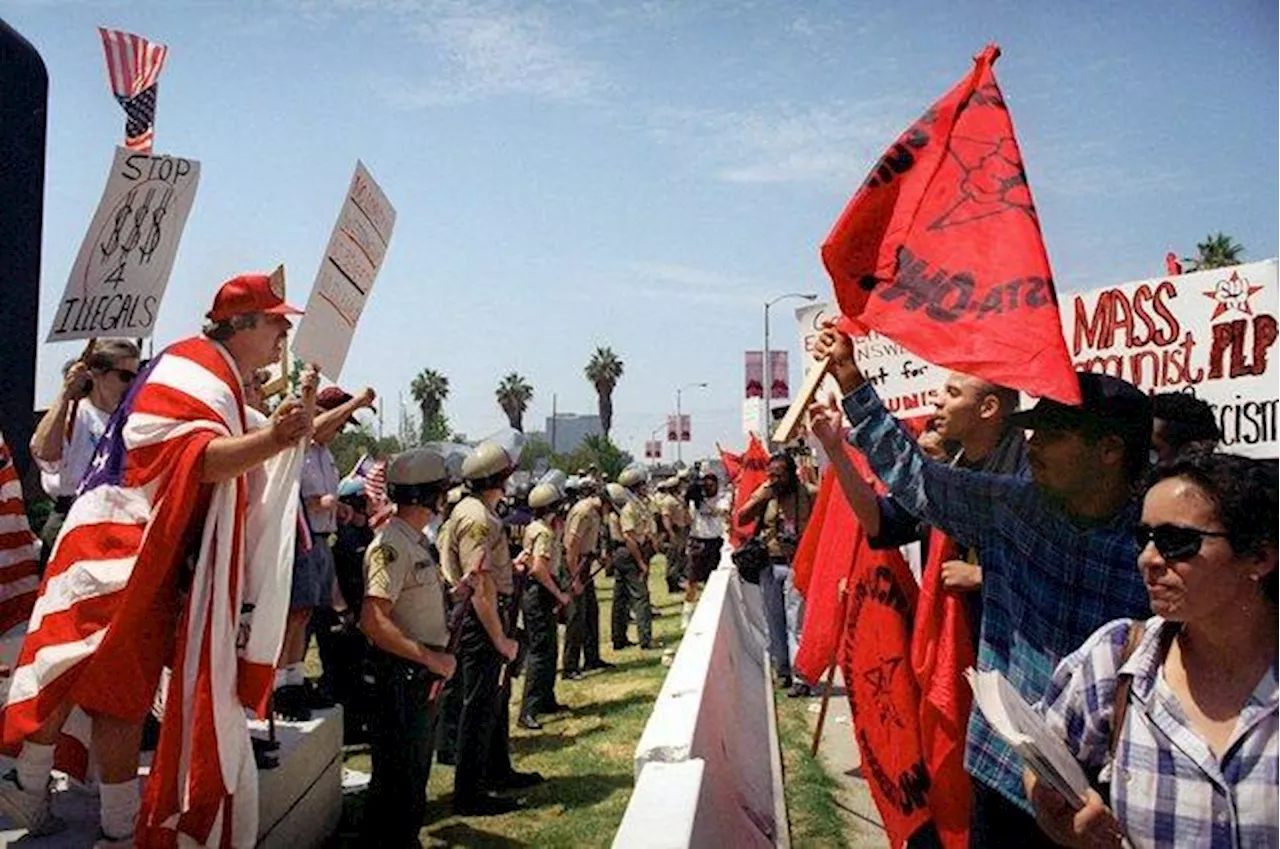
point(176, 554)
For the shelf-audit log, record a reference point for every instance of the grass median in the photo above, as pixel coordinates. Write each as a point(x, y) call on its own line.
point(586, 754)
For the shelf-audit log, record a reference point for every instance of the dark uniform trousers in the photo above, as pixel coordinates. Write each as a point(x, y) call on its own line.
point(402, 735)
point(630, 590)
point(481, 753)
point(449, 711)
point(540, 627)
point(675, 558)
point(582, 631)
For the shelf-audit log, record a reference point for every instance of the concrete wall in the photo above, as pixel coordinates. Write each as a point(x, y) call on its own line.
point(708, 771)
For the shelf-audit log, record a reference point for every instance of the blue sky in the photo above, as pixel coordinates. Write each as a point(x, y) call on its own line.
point(641, 175)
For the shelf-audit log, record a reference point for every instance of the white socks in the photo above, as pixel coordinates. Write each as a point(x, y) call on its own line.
point(120, 804)
point(686, 613)
point(34, 764)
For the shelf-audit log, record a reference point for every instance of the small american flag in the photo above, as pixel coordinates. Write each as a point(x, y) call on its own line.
point(133, 67)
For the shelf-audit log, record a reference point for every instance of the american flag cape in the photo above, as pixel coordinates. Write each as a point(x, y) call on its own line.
point(133, 68)
point(115, 605)
point(19, 548)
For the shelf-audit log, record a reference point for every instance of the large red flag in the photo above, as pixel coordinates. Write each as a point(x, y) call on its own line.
point(942, 648)
point(732, 463)
point(940, 249)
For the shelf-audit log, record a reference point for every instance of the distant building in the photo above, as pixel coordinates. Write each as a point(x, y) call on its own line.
point(566, 431)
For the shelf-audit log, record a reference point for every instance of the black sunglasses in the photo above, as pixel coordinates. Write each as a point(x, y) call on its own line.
point(124, 374)
point(1174, 542)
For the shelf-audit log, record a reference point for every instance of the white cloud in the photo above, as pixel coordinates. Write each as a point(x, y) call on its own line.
point(479, 49)
point(833, 144)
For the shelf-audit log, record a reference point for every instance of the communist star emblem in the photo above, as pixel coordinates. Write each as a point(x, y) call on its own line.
point(1232, 293)
point(881, 680)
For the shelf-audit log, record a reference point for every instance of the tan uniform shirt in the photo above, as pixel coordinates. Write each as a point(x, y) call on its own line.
point(541, 541)
point(398, 567)
point(480, 539)
point(447, 545)
point(584, 523)
point(635, 519)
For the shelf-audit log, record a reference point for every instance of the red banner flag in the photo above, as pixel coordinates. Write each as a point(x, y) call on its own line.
point(732, 463)
point(755, 471)
point(940, 249)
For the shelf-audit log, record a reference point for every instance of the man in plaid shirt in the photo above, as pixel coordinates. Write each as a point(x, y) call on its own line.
point(1058, 554)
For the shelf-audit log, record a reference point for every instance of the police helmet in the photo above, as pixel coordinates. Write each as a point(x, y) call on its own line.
point(488, 465)
point(544, 495)
point(617, 494)
point(631, 477)
point(415, 476)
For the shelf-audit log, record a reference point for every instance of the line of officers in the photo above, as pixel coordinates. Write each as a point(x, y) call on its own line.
point(442, 620)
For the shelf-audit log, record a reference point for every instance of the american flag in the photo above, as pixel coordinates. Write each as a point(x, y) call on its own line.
point(374, 474)
point(19, 548)
point(133, 67)
point(105, 620)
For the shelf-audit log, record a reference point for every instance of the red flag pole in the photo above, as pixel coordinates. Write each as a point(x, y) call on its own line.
point(831, 670)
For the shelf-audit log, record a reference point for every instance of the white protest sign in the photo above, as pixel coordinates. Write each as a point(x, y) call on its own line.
point(906, 383)
point(347, 271)
point(1211, 334)
point(119, 277)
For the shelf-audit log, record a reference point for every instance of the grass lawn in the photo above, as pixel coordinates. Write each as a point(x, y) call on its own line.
point(587, 756)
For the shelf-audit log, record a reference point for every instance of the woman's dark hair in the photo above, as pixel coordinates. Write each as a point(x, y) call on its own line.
point(1186, 419)
point(786, 459)
point(107, 352)
point(1244, 493)
point(426, 495)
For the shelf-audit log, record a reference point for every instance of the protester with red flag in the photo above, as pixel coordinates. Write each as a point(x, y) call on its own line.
point(1057, 552)
point(872, 650)
point(940, 249)
point(973, 414)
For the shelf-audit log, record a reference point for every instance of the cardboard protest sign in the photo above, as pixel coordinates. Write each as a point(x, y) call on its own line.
point(1211, 334)
point(123, 266)
point(347, 271)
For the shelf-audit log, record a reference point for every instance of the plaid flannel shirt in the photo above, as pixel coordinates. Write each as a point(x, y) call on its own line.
point(1047, 583)
point(1167, 786)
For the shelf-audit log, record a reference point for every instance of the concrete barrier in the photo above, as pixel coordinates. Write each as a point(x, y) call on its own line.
point(712, 735)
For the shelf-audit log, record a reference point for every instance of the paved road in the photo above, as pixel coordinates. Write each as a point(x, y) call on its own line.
point(839, 754)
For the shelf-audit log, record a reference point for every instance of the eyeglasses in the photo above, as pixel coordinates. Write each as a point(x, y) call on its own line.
point(124, 374)
point(1174, 542)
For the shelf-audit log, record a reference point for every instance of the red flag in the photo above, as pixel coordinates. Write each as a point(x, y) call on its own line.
point(940, 249)
point(732, 463)
point(942, 648)
point(755, 471)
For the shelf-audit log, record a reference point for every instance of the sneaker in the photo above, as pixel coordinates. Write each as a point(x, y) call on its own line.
point(799, 690)
point(529, 722)
point(484, 805)
point(31, 811)
point(106, 842)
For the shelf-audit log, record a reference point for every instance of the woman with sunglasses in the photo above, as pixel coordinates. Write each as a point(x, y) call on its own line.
point(67, 435)
point(1192, 760)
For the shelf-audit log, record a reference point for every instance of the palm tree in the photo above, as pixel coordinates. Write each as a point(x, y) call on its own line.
point(429, 389)
point(1218, 250)
point(603, 370)
point(514, 394)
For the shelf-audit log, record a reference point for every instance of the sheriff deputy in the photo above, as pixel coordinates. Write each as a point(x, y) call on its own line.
point(404, 618)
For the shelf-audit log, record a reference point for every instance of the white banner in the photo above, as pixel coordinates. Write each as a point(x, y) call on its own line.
point(123, 266)
point(347, 272)
point(1210, 333)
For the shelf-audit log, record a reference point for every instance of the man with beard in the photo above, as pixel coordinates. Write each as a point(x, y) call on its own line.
point(1058, 551)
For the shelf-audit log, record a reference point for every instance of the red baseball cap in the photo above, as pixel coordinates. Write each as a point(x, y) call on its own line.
point(250, 293)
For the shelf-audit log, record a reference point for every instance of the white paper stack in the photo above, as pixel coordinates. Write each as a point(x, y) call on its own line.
point(1024, 729)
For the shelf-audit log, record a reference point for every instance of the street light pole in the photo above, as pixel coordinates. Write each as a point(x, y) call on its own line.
point(679, 389)
point(766, 422)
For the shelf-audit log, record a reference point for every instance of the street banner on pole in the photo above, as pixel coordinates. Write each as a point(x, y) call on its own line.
point(753, 362)
point(123, 266)
point(779, 380)
point(347, 272)
point(684, 428)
